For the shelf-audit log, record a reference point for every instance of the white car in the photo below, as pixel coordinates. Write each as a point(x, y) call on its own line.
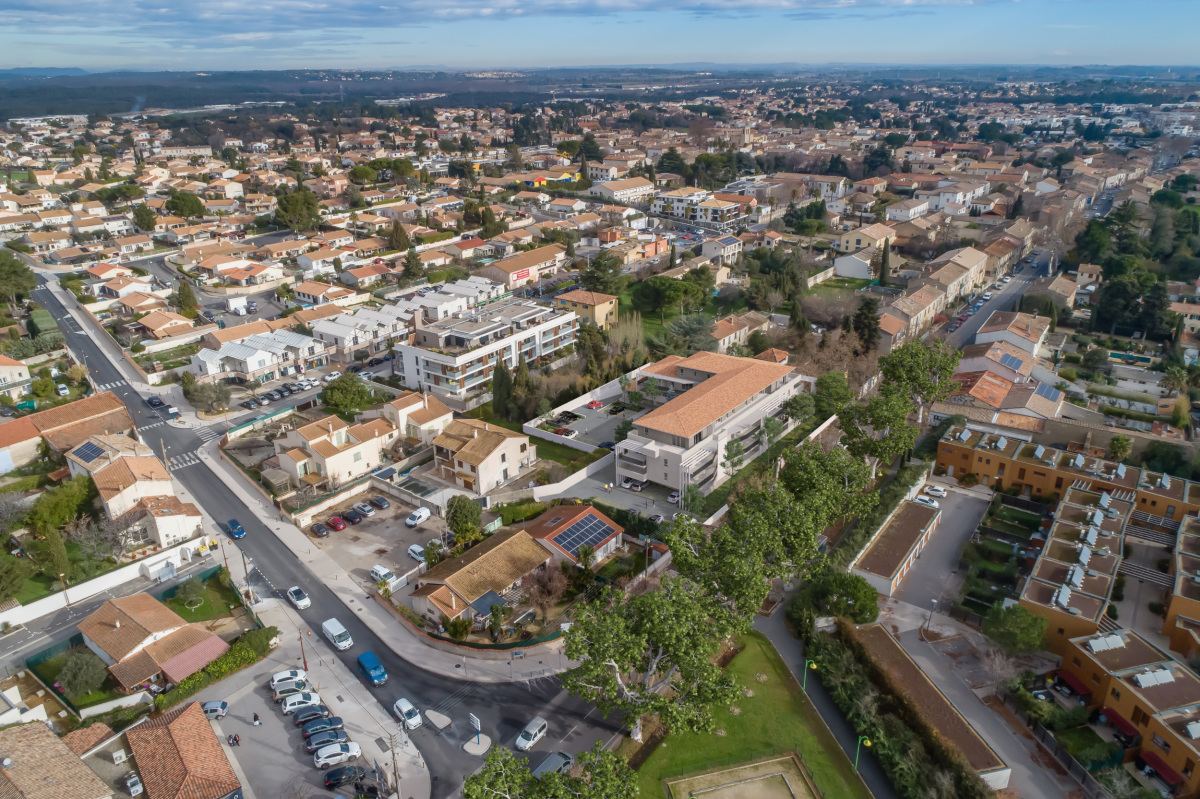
point(627, 482)
point(417, 553)
point(287, 676)
point(329, 378)
point(926, 501)
point(935, 491)
point(534, 731)
point(62, 390)
point(408, 715)
point(674, 497)
point(297, 597)
point(336, 754)
point(299, 701)
point(1007, 279)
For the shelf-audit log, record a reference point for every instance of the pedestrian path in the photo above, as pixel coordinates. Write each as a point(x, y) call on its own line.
point(183, 461)
point(111, 386)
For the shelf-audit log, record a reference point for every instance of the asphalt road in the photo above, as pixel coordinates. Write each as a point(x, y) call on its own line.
point(502, 708)
point(1001, 301)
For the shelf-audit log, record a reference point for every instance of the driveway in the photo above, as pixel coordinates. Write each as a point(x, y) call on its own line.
point(599, 425)
point(935, 575)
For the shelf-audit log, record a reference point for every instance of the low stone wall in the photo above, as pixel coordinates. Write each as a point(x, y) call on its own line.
point(140, 698)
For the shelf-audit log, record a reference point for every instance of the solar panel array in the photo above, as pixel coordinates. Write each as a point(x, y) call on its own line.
point(1011, 361)
point(89, 451)
point(588, 531)
point(1048, 392)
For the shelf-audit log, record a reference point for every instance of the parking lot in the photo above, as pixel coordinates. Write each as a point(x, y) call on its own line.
point(379, 539)
point(597, 426)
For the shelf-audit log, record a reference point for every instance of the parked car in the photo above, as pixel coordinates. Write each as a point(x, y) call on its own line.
point(337, 754)
point(417, 553)
point(615, 408)
point(935, 491)
point(215, 710)
point(315, 726)
point(364, 509)
point(375, 362)
point(952, 328)
point(674, 497)
point(555, 762)
point(320, 531)
point(297, 597)
point(352, 516)
point(335, 523)
point(416, 517)
point(334, 375)
point(408, 715)
point(566, 432)
point(658, 518)
point(926, 501)
point(289, 688)
point(627, 482)
point(534, 731)
point(286, 676)
point(299, 701)
point(62, 390)
point(250, 405)
point(327, 738)
point(638, 485)
point(235, 529)
point(155, 402)
point(595, 405)
point(311, 714)
point(336, 778)
point(380, 503)
point(607, 444)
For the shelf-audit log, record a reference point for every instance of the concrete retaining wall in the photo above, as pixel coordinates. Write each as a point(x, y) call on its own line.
point(140, 698)
point(554, 489)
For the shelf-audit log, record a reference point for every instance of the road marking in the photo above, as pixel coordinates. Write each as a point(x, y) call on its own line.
point(111, 386)
point(208, 433)
point(183, 461)
point(568, 735)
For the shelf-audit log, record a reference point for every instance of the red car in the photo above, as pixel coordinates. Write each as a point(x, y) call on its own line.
point(336, 523)
point(595, 405)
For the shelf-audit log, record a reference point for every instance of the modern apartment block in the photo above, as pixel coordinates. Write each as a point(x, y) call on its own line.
point(1182, 622)
point(704, 402)
point(453, 357)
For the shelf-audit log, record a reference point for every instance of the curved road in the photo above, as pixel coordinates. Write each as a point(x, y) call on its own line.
point(502, 708)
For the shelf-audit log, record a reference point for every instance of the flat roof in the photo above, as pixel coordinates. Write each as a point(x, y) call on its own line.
point(891, 547)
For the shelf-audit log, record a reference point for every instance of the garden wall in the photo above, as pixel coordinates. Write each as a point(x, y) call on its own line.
point(171, 342)
point(159, 566)
point(303, 517)
point(592, 469)
point(140, 698)
point(269, 285)
point(819, 277)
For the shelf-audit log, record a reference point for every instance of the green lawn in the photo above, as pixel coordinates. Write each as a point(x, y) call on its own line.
point(573, 459)
point(217, 599)
point(39, 585)
point(778, 717)
point(49, 670)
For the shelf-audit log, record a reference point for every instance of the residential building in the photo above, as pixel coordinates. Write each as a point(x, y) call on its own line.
point(680, 203)
point(907, 210)
point(469, 585)
point(888, 556)
point(591, 306)
point(526, 267)
point(311, 293)
point(563, 529)
point(127, 480)
point(1181, 623)
point(14, 378)
point(179, 756)
point(723, 250)
point(736, 329)
point(480, 457)
point(329, 452)
point(629, 190)
point(163, 324)
point(1022, 330)
point(1059, 289)
point(703, 403)
point(260, 356)
point(62, 428)
point(143, 642)
point(419, 418)
point(40, 765)
point(873, 235)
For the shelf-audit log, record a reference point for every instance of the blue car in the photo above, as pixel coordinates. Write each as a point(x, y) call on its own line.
point(236, 530)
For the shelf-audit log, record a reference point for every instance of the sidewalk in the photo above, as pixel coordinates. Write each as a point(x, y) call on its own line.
point(406, 643)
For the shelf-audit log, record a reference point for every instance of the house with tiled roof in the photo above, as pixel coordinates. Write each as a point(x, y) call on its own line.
point(37, 764)
point(478, 456)
point(15, 379)
point(1059, 289)
point(312, 293)
point(737, 329)
point(597, 308)
point(143, 642)
point(467, 586)
point(704, 402)
point(563, 529)
point(162, 324)
point(419, 416)
point(180, 757)
point(332, 452)
point(1022, 330)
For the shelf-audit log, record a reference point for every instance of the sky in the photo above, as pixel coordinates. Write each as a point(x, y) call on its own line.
point(375, 34)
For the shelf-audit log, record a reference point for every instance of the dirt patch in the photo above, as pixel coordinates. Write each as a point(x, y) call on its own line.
point(778, 778)
point(1011, 718)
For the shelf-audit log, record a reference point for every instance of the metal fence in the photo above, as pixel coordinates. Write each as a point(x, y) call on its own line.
point(168, 593)
point(1024, 504)
point(1088, 784)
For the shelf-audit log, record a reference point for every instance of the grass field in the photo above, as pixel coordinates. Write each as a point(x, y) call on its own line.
point(217, 599)
point(778, 716)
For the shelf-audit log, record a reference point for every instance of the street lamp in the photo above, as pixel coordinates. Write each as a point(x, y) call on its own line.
point(809, 665)
point(858, 748)
point(929, 620)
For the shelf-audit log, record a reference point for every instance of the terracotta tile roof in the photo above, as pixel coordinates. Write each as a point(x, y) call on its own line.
point(44, 767)
point(87, 738)
point(121, 625)
point(733, 381)
point(17, 431)
point(321, 427)
point(773, 355)
point(179, 757)
point(120, 475)
point(87, 408)
point(983, 386)
point(531, 258)
point(72, 435)
point(239, 332)
point(891, 325)
point(7, 361)
point(184, 652)
point(372, 428)
point(1022, 324)
point(167, 506)
point(433, 409)
point(473, 441)
point(559, 518)
point(492, 565)
point(584, 297)
point(445, 600)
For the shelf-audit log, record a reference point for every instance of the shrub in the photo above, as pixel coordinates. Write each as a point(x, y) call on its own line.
point(82, 672)
point(1068, 374)
point(1158, 609)
point(137, 348)
point(838, 594)
point(969, 479)
point(248, 649)
point(1111, 612)
point(1073, 357)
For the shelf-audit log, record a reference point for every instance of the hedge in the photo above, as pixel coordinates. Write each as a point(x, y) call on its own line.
point(245, 651)
point(867, 525)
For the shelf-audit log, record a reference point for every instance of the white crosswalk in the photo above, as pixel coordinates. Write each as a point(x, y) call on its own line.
point(151, 426)
point(183, 461)
point(111, 386)
point(208, 433)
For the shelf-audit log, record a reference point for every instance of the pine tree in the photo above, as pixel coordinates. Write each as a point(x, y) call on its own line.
point(501, 389)
point(885, 262)
point(414, 269)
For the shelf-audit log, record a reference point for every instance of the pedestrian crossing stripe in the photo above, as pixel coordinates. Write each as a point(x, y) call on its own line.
point(151, 426)
point(182, 461)
point(208, 433)
point(111, 386)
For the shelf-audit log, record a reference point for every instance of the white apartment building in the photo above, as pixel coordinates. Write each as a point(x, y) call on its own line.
point(263, 356)
point(706, 401)
point(680, 203)
point(453, 357)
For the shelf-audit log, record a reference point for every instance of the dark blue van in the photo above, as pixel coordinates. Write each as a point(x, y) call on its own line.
point(371, 668)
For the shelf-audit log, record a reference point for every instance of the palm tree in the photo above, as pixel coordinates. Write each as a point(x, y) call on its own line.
point(1175, 379)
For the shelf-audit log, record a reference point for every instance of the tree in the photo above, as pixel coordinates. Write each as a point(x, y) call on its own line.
point(414, 267)
point(866, 324)
point(605, 774)
point(13, 573)
point(298, 210)
point(145, 218)
point(772, 429)
point(16, 278)
point(691, 500)
point(671, 161)
point(12, 510)
point(1174, 379)
point(362, 174)
point(502, 389)
point(546, 589)
point(82, 673)
point(885, 262)
point(622, 430)
point(190, 591)
point(1119, 447)
point(186, 205)
point(1015, 629)
point(632, 649)
point(834, 593)
point(1095, 358)
point(831, 395)
point(433, 554)
point(829, 487)
point(347, 393)
point(77, 373)
point(397, 238)
point(186, 296)
point(603, 274)
point(735, 456)
point(463, 515)
point(923, 373)
point(798, 408)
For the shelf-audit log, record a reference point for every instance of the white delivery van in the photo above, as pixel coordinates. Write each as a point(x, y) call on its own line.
point(338, 635)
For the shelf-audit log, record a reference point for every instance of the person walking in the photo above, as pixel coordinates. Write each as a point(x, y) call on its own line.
point(257, 722)
point(237, 740)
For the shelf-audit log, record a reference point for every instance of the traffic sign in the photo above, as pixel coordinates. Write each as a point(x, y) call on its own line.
point(474, 721)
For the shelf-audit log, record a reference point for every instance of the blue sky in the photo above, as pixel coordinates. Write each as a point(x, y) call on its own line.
point(283, 34)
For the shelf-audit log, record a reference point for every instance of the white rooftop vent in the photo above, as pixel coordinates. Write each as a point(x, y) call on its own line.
point(1120, 470)
point(119, 757)
point(1193, 729)
point(1037, 453)
point(1062, 597)
point(1075, 577)
point(1001, 443)
point(1104, 499)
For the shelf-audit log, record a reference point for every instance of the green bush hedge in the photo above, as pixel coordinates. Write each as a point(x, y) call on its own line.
point(245, 651)
point(889, 499)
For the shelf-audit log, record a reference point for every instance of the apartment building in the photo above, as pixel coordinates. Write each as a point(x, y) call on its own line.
point(262, 356)
point(331, 452)
point(479, 457)
point(1181, 623)
point(14, 378)
point(705, 401)
point(526, 267)
point(680, 203)
point(418, 417)
point(453, 357)
point(873, 235)
point(629, 190)
point(592, 306)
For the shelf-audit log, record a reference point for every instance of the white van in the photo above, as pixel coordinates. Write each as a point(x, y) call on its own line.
point(338, 635)
point(382, 574)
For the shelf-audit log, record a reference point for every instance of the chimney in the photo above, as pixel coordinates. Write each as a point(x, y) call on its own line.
point(453, 601)
point(117, 624)
point(476, 432)
point(425, 401)
point(486, 428)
